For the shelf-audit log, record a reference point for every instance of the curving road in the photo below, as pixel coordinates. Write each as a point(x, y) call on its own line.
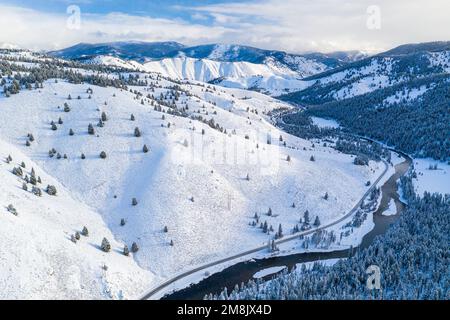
point(182, 275)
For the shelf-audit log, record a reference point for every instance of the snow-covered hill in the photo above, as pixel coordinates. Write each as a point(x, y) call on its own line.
point(37, 258)
point(208, 171)
point(270, 71)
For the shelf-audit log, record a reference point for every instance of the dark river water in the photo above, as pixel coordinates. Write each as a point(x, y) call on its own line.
point(244, 271)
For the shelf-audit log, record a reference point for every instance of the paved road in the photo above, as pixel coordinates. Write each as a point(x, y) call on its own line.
point(152, 292)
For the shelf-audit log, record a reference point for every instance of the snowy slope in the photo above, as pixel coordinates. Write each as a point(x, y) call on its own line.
point(115, 62)
point(268, 77)
point(37, 258)
point(374, 73)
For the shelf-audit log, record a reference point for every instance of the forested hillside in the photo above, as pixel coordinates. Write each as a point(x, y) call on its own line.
point(414, 117)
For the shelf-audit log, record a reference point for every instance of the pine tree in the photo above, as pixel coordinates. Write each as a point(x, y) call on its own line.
point(316, 222)
point(132, 117)
point(145, 148)
point(104, 117)
point(126, 252)
point(77, 235)
point(85, 232)
point(134, 202)
point(326, 196)
point(122, 222)
point(103, 155)
point(51, 190)
point(306, 217)
point(137, 132)
point(166, 229)
point(36, 191)
point(106, 246)
point(71, 133)
point(265, 227)
point(83, 156)
point(134, 247)
point(280, 231)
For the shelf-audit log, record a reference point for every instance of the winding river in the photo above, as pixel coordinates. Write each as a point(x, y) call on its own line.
point(244, 271)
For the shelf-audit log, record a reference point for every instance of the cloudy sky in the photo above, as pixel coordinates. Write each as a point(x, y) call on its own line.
point(289, 25)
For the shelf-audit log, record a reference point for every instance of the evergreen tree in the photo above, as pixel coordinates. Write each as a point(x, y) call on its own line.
point(51, 190)
point(91, 129)
point(126, 252)
point(106, 246)
point(316, 222)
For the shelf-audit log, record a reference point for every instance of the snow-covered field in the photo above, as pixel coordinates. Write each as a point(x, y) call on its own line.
point(391, 210)
point(37, 258)
point(431, 178)
point(325, 123)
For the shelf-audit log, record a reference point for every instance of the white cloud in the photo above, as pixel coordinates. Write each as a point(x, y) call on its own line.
point(291, 25)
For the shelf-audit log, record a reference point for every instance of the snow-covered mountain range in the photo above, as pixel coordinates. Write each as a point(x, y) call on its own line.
point(177, 156)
